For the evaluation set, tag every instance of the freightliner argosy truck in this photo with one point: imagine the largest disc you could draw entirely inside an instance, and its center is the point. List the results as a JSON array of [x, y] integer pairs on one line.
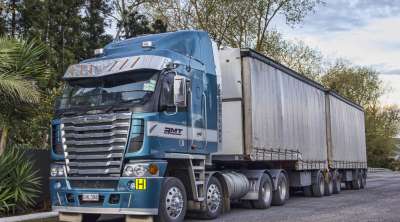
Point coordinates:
[[160, 126]]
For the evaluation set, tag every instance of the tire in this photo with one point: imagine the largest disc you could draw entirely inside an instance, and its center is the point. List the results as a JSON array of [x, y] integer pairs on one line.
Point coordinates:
[[363, 180], [328, 185], [90, 217], [356, 183], [307, 191], [281, 194], [173, 195], [337, 182], [214, 199], [264, 193], [318, 187]]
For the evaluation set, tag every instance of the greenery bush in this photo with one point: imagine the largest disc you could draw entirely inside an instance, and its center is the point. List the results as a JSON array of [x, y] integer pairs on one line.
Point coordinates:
[[19, 182]]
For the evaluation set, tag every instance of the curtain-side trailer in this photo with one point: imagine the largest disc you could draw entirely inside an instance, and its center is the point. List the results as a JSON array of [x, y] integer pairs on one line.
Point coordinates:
[[160, 125]]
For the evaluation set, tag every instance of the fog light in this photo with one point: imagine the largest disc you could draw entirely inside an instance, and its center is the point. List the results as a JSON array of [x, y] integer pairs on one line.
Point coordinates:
[[131, 185], [114, 199]]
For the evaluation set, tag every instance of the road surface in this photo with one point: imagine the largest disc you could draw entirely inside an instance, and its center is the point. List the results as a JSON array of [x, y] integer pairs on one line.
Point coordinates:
[[380, 201]]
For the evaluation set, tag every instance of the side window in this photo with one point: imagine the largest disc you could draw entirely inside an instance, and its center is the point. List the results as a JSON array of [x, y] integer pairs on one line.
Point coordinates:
[[167, 92]]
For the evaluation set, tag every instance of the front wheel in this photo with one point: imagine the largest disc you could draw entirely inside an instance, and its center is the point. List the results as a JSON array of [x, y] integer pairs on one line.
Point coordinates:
[[173, 201], [214, 199]]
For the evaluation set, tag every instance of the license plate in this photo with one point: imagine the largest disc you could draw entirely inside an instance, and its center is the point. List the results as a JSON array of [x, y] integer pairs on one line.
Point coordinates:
[[90, 197]]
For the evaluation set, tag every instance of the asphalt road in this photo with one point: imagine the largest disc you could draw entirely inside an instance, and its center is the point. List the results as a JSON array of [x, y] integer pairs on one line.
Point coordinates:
[[380, 201]]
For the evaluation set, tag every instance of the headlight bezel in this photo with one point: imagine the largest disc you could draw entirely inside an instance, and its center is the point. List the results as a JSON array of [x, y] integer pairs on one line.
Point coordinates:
[[57, 170], [138, 170]]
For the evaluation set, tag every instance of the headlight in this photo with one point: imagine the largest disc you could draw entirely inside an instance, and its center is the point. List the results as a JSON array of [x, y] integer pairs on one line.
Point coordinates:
[[140, 170], [57, 170]]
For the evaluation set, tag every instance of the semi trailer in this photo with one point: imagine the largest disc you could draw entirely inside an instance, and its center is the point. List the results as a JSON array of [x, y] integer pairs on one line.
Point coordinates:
[[160, 126]]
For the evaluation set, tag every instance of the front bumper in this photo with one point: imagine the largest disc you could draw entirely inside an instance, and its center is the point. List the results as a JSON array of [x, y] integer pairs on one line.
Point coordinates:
[[94, 210], [133, 202]]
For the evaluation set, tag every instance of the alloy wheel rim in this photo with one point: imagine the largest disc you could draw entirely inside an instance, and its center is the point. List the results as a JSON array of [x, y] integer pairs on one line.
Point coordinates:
[[174, 202], [213, 198], [266, 189]]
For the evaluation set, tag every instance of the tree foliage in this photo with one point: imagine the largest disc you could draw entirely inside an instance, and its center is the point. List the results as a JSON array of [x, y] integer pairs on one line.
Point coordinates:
[[362, 85]]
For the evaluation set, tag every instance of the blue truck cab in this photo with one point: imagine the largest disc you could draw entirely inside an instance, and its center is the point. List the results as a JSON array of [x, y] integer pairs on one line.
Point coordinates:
[[132, 120]]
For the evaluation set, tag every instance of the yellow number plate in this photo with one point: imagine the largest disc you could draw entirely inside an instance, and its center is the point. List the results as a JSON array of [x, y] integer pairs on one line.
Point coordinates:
[[140, 183]]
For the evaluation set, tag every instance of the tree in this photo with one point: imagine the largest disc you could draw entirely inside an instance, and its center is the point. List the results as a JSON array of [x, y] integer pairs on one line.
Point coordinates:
[[359, 84], [362, 85], [236, 23], [382, 125], [93, 26], [294, 54], [131, 22], [21, 74]]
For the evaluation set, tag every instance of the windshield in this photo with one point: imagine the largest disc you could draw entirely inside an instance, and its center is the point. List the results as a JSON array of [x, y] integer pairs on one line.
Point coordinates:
[[131, 88]]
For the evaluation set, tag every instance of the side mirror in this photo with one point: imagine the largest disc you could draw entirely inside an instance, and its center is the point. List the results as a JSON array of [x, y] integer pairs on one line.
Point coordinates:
[[180, 91]]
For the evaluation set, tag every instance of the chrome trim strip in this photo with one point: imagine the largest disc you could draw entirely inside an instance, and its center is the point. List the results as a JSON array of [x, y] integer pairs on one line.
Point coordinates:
[[132, 211], [98, 127]]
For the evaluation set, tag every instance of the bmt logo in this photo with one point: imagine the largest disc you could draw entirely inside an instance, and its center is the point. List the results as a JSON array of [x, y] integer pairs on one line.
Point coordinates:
[[173, 131]]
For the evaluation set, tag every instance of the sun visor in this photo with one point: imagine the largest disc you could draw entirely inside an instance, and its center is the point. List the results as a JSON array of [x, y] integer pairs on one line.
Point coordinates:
[[118, 65]]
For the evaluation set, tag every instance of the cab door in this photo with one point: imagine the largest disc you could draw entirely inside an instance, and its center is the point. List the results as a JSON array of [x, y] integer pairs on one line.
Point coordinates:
[[196, 113]]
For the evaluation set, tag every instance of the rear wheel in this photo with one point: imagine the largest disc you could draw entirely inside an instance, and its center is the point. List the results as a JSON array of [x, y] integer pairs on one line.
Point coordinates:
[[363, 180], [173, 201], [356, 183], [328, 184], [264, 193], [281, 194], [337, 182], [318, 186]]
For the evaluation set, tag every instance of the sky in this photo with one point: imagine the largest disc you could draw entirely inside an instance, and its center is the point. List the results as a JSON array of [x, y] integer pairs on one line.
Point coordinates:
[[365, 32]]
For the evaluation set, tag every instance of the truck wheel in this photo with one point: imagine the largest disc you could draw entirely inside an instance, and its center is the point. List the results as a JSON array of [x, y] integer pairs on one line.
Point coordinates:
[[264, 193], [214, 199], [328, 185], [337, 183], [356, 183], [90, 217], [281, 194], [173, 201], [318, 186], [363, 180]]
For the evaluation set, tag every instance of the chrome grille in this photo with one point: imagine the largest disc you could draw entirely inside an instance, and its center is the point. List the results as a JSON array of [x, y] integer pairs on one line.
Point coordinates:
[[94, 144]]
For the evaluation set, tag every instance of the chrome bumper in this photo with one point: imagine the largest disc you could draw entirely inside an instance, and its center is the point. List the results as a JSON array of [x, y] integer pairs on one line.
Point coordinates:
[[100, 210]]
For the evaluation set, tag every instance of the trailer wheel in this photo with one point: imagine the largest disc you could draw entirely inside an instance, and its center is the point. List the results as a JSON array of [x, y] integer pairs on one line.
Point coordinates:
[[281, 194], [356, 183], [363, 180], [173, 202], [337, 183], [318, 187], [214, 199], [264, 193], [328, 185], [90, 217]]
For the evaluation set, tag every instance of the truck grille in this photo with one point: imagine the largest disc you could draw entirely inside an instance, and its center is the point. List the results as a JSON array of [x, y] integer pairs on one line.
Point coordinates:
[[94, 145]]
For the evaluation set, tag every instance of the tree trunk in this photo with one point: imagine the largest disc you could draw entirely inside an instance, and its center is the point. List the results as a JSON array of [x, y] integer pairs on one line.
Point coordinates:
[[3, 139]]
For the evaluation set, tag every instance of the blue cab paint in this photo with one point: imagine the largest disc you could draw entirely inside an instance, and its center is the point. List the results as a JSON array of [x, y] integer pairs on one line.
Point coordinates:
[[193, 51]]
